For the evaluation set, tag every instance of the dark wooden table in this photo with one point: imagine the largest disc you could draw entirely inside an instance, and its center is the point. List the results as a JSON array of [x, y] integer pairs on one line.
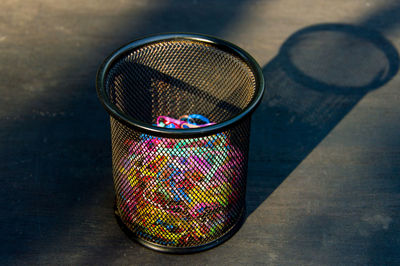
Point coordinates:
[[323, 185]]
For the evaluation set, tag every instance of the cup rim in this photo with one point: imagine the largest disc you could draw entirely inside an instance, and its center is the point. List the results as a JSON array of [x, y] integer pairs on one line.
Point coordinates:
[[150, 129]]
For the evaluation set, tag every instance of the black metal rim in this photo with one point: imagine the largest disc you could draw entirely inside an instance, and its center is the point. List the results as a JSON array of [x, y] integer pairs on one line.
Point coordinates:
[[176, 250], [169, 132]]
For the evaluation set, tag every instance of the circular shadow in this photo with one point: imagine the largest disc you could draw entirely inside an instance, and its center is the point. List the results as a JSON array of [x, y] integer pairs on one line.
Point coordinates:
[[339, 58]]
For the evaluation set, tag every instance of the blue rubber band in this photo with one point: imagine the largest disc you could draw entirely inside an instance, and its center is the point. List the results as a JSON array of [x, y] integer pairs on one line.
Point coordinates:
[[200, 117]]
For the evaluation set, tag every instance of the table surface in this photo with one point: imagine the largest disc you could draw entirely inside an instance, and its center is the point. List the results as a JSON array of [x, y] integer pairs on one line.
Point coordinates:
[[323, 181]]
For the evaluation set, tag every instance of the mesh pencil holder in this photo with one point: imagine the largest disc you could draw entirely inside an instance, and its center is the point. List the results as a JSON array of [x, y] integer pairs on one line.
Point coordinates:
[[180, 190]]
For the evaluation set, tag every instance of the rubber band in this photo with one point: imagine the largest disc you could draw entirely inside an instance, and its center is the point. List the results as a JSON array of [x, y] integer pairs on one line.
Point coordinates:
[[175, 190], [199, 117], [184, 121]]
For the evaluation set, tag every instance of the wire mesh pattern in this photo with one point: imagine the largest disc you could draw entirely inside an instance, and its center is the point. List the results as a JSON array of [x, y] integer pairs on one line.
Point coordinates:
[[180, 77], [180, 191]]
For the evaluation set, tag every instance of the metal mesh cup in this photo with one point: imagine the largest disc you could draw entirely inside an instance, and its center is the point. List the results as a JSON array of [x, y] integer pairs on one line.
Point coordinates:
[[180, 190]]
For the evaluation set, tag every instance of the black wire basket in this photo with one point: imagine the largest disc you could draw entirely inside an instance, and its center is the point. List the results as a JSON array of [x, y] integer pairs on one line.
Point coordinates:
[[180, 107]]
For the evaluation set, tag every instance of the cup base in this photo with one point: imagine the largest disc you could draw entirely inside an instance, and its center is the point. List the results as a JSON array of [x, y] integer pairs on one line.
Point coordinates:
[[181, 250]]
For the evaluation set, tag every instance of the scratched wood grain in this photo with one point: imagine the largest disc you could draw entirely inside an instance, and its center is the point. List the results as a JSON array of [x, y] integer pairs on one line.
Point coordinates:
[[323, 186]]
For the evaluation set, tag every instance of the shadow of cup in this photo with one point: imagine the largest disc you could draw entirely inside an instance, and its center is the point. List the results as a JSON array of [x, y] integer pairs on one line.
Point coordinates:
[[320, 73]]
